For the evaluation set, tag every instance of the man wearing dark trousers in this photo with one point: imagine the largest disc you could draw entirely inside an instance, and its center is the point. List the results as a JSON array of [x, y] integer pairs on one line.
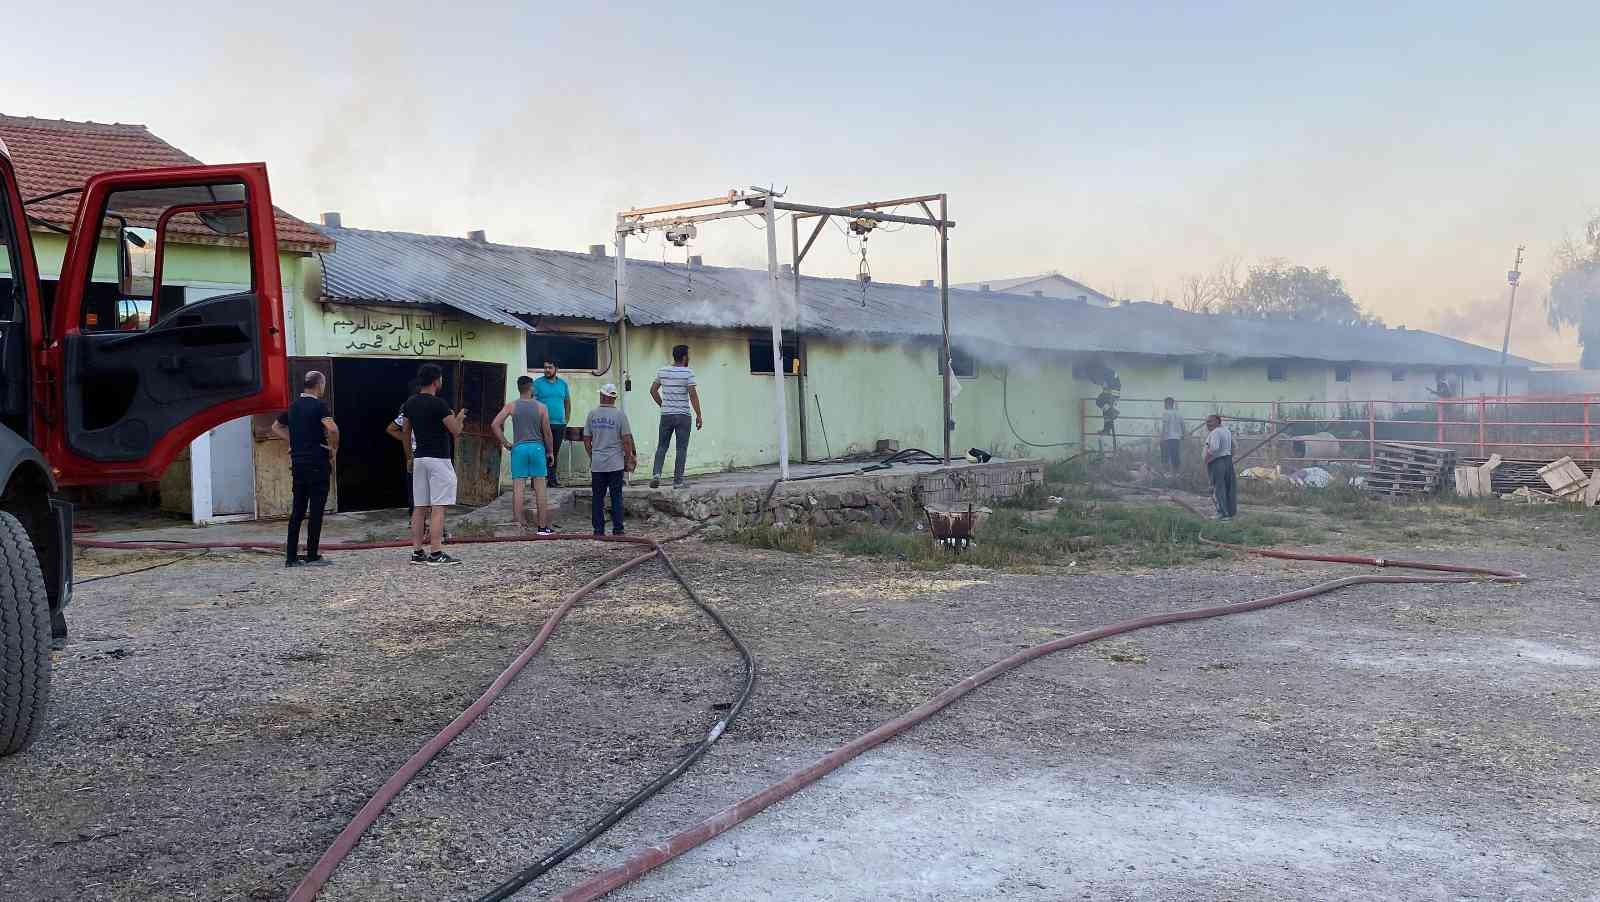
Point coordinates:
[[313, 439], [609, 440], [675, 393], [1219, 466]]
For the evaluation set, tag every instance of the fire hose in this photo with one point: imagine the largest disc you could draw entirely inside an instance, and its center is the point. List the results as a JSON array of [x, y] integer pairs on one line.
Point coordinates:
[[648, 859], [346, 841]]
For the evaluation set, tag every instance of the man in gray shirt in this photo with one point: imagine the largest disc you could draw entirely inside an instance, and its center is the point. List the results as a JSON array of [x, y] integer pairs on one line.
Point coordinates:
[[609, 440], [1219, 466]]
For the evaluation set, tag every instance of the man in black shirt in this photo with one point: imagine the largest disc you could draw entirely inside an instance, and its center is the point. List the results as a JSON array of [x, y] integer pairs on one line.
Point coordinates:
[[433, 475], [313, 445]]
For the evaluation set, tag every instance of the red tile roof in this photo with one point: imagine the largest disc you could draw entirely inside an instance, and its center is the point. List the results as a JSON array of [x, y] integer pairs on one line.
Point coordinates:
[[53, 154]]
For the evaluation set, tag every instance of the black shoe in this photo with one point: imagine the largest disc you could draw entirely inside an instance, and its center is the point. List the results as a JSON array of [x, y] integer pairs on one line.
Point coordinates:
[[439, 558], [318, 561], [655, 482], [419, 557], [599, 533], [546, 531], [618, 532], [292, 562]]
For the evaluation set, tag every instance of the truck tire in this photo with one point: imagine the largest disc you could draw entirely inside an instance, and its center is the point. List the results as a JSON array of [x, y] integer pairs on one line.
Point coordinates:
[[24, 639]]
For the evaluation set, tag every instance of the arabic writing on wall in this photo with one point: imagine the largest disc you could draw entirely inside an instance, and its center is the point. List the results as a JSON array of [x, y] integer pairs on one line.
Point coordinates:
[[417, 334]]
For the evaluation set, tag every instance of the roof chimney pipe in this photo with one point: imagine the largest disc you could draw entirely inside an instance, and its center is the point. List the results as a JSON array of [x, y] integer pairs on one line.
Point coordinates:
[[331, 220], [983, 286], [597, 250], [696, 261], [478, 235], [1038, 292], [927, 283]]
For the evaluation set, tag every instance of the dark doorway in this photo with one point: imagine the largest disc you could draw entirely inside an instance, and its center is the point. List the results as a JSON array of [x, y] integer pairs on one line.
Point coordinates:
[[372, 466]]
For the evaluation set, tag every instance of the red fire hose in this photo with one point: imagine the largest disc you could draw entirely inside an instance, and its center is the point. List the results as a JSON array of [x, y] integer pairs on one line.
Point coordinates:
[[346, 841], [646, 860]]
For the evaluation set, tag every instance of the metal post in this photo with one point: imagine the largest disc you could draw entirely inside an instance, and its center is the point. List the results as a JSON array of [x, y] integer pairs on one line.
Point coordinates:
[[1514, 276], [1483, 418], [1586, 455], [1372, 433], [622, 323], [799, 342], [944, 314], [1276, 422], [781, 411]]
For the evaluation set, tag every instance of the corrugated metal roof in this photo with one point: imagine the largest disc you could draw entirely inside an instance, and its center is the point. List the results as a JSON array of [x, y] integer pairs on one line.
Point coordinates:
[[502, 282]]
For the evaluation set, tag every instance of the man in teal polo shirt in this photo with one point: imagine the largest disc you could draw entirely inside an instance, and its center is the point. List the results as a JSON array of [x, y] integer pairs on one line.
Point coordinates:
[[553, 393]]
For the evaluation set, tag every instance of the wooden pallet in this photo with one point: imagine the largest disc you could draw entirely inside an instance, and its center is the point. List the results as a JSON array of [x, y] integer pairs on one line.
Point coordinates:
[[1401, 469]]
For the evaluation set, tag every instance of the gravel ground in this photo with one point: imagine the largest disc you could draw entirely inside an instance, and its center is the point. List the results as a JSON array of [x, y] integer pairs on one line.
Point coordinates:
[[216, 722]]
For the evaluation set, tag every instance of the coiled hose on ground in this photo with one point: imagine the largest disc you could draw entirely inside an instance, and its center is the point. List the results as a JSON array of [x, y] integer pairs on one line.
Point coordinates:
[[347, 839], [648, 859]]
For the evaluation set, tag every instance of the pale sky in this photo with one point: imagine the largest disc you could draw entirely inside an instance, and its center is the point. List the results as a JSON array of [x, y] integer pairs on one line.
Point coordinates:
[[1408, 149]]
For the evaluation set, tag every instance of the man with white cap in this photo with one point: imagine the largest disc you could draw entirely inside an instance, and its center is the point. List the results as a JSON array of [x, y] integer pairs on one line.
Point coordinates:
[[609, 440]]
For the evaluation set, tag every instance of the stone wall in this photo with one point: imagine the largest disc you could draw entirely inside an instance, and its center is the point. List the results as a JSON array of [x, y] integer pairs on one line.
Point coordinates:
[[890, 499]]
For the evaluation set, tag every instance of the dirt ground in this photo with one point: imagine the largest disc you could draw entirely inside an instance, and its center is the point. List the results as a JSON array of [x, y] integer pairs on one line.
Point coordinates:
[[216, 722]]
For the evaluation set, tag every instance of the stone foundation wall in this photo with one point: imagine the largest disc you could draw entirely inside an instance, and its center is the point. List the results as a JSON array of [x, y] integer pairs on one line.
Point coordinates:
[[886, 499]]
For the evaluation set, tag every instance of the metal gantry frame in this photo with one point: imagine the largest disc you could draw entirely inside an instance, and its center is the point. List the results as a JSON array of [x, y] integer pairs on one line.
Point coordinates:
[[765, 203]]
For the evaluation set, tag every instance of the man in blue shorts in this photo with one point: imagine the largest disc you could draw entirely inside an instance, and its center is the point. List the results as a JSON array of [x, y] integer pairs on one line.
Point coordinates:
[[530, 451]]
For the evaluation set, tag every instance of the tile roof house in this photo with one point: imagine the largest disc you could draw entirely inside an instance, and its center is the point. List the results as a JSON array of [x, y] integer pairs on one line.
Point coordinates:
[[53, 155]]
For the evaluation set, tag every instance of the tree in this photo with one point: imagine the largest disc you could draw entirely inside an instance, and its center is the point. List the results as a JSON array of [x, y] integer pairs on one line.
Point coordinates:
[[1575, 291], [1277, 290], [1208, 293]]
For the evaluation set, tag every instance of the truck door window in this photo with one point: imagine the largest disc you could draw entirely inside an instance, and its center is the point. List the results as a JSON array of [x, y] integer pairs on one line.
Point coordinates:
[[153, 242], [10, 266]]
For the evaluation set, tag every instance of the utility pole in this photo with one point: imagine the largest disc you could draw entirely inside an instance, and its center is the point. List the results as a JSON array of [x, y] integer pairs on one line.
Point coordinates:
[[1513, 277]]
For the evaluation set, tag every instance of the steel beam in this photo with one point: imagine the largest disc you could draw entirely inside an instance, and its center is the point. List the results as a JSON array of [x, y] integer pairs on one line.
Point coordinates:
[[732, 197], [645, 225], [800, 253], [861, 214], [897, 202]]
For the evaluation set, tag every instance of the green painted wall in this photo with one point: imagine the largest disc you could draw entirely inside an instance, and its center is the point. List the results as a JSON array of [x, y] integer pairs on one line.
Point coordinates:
[[182, 264]]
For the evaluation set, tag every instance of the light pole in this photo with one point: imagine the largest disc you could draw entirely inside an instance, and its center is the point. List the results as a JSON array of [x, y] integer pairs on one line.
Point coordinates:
[[1513, 277]]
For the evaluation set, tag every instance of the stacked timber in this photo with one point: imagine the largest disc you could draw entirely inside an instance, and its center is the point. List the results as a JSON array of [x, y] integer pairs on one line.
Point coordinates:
[[1512, 473], [1402, 470]]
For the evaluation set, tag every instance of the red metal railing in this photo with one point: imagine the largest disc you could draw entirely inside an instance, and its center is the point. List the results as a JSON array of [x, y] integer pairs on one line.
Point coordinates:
[[1511, 425]]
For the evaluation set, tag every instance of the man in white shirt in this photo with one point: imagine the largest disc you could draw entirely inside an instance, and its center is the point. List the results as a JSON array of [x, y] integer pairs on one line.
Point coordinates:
[[674, 392], [1172, 429], [1219, 466]]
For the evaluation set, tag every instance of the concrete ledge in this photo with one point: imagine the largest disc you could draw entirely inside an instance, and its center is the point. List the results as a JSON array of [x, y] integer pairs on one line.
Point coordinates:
[[836, 496]]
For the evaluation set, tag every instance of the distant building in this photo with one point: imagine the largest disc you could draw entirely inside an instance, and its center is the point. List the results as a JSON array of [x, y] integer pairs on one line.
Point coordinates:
[[1046, 285]]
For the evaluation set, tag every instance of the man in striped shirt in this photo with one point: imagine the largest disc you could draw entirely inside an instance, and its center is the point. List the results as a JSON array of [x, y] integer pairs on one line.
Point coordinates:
[[674, 392]]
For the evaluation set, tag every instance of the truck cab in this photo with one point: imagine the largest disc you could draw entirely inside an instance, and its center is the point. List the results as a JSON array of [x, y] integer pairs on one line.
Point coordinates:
[[107, 378]]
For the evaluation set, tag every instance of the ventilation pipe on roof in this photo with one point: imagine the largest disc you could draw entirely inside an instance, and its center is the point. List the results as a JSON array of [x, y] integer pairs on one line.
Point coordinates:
[[597, 250], [478, 235], [1038, 292], [983, 286], [696, 261], [927, 283], [331, 220]]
